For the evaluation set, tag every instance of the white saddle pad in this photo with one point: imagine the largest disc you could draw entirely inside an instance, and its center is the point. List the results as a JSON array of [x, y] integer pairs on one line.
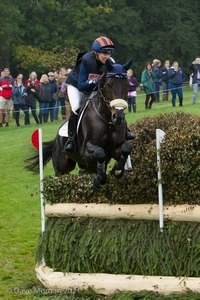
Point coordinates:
[[63, 131]]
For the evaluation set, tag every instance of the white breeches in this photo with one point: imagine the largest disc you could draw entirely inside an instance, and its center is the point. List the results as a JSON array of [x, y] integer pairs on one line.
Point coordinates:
[[75, 98]]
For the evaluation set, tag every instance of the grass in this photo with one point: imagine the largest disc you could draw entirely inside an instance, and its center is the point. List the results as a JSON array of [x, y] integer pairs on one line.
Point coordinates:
[[20, 222]]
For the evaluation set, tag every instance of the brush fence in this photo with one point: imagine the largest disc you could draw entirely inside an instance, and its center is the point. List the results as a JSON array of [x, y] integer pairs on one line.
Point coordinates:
[[108, 283]]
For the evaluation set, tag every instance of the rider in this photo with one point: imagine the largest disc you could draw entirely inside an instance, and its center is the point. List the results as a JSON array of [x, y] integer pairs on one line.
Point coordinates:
[[83, 79]]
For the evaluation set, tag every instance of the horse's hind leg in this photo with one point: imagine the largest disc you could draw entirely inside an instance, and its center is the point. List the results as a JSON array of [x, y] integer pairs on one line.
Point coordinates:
[[118, 169], [100, 157], [61, 162]]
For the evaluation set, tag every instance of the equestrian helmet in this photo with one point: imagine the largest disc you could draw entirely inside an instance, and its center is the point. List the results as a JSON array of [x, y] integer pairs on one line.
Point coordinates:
[[103, 44]]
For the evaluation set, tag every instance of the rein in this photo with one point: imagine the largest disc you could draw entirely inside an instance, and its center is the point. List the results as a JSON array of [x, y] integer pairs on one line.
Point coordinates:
[[96, 110]]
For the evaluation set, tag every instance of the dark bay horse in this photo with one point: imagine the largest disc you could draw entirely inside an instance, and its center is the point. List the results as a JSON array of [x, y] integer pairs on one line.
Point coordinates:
[[101, 133]]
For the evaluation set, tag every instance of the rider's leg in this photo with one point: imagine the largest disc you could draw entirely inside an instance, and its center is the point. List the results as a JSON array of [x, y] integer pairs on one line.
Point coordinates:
[[70, 144], [75, 99]]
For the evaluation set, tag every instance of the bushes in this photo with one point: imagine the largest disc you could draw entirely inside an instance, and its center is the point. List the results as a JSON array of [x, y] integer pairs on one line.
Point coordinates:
[[180, 155]]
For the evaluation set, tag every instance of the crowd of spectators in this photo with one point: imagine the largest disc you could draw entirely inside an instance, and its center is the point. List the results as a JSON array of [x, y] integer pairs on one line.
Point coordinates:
[[170, 78], [51, 94], [19, 95]]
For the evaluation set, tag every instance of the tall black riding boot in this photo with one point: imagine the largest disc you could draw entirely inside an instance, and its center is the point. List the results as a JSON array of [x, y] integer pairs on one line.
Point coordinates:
[[70, 144]]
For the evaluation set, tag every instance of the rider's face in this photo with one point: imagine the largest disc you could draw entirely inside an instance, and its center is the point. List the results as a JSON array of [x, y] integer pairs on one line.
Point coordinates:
[[102, 57]]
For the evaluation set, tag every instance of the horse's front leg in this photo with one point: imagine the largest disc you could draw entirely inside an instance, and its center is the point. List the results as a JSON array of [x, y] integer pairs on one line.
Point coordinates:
[[100, 157], [118, 169]]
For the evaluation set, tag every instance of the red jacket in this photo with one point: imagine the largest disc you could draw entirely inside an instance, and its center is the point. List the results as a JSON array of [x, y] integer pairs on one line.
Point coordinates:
[[6, 91], [27, 82]]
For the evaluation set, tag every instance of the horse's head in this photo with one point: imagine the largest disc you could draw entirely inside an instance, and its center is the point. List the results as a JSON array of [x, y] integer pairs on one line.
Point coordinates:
[[115, 83]]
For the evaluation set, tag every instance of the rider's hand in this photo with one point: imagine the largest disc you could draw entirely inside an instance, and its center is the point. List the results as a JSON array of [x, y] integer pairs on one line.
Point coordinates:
[[95, 82]]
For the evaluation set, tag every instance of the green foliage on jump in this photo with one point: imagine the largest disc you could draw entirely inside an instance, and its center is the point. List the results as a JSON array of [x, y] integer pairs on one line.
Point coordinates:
[[121, 247], [180, 156]]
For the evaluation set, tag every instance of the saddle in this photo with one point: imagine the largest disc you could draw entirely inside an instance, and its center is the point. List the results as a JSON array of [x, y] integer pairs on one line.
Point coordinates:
[[63, 131]]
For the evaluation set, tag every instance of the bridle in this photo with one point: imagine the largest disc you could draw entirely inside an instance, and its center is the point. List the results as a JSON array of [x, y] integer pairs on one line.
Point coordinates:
[[101, 90]]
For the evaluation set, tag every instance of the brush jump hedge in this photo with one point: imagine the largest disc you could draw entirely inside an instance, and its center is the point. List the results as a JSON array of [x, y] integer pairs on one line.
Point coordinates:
[[109, 239]]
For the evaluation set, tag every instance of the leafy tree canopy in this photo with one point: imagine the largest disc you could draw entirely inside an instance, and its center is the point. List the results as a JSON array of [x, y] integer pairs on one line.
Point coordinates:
[[141, 29]]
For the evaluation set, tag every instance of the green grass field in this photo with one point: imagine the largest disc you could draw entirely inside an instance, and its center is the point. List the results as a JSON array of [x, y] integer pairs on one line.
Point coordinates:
[[20, 222]]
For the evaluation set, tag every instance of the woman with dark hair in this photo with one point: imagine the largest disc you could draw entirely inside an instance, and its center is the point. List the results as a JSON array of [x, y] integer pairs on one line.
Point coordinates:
[[31, 98], [147, 80]]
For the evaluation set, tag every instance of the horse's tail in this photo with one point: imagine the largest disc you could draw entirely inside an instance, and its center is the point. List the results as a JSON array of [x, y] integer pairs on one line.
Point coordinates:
[[32, 163]]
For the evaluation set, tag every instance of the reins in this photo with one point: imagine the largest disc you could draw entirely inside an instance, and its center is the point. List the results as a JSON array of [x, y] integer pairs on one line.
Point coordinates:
[[96, 110]]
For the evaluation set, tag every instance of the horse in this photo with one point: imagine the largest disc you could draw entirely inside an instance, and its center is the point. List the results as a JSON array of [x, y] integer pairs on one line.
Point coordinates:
[[101, 131]]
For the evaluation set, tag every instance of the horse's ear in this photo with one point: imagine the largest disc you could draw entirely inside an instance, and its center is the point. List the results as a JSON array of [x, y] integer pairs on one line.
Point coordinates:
[[128, 65], [108, 65]]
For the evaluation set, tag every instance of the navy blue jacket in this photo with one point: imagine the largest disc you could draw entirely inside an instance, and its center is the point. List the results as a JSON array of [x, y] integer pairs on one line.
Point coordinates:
[[89, 65], [44, 92], [158, 72], [165, 74], [176, 77], [19, 94]]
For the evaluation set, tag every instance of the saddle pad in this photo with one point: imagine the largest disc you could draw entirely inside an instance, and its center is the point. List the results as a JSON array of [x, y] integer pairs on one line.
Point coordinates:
[[63, 131]]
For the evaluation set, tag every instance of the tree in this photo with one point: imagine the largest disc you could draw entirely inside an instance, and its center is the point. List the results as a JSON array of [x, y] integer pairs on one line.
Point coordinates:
[[28, 58], [10, 34]]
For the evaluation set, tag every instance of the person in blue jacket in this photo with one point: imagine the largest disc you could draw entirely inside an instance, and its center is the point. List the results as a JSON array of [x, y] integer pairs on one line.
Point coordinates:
[[176, 79], [19, 94], [83, 79]]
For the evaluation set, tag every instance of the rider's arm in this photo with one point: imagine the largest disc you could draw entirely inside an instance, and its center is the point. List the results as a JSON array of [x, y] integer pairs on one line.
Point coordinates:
[[83, 84]]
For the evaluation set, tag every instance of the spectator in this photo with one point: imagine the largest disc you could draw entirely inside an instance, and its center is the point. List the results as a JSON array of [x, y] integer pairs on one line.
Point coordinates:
[[19, 94], [44, 92], [20, 75], [165, 80], [157, 79], [176, 79], [132, 91], [54, 93], [147, 78], [56, 73], [30, 99], [61, 96], [195, 67], [6, 102], [32, 77], [57, 102]]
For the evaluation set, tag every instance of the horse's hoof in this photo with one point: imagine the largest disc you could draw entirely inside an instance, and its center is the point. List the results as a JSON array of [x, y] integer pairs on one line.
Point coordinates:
[[117, 173], [97, 183]]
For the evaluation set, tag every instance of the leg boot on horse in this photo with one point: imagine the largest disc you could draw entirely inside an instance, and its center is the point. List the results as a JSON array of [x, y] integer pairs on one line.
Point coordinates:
[[130, 135], [70, 146]]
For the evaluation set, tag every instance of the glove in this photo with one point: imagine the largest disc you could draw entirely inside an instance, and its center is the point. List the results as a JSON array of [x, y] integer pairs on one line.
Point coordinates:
[[1, 89], [95, 82]]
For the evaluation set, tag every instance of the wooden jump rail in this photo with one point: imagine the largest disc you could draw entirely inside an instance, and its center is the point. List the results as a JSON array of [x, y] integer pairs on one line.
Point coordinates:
[[109, 283], [181, 213]]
